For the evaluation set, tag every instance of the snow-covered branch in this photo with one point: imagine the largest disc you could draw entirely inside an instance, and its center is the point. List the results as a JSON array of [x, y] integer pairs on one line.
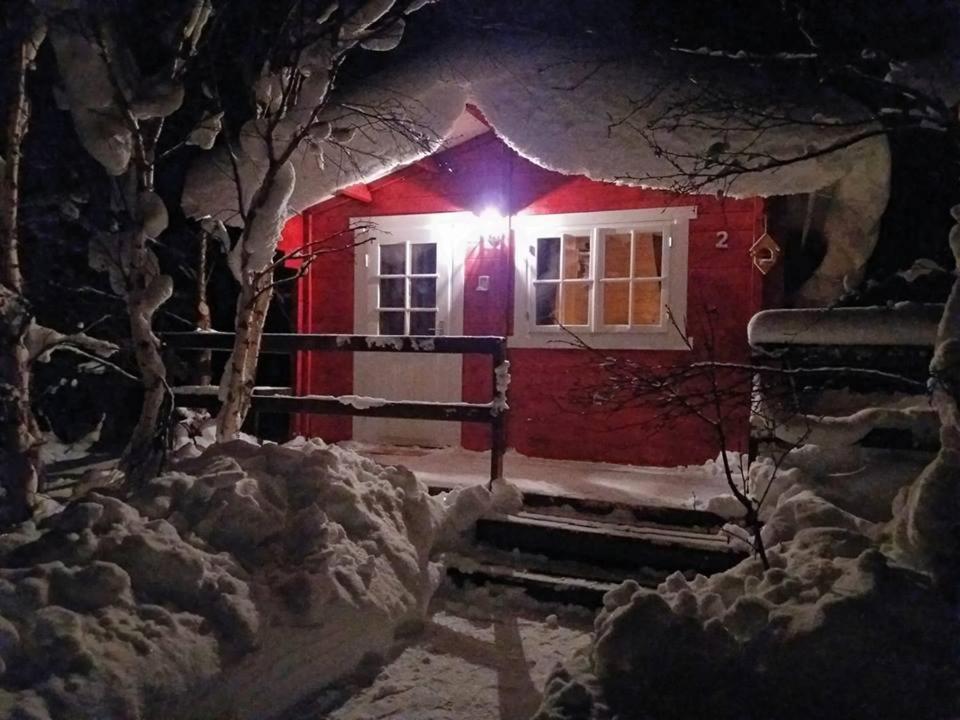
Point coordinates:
[[42, 342]]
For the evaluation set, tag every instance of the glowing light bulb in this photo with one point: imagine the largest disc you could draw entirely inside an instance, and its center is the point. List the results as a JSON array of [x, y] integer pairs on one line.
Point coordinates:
[[492, 226]]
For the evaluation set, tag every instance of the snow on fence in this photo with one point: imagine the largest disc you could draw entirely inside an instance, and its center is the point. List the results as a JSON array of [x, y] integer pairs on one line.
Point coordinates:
[[906, 324], [864, 364], [271, 399]]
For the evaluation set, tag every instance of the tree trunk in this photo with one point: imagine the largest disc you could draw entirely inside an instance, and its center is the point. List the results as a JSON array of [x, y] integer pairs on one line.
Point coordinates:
[[147, 289], [147, 446], [241, 371], [204, 321], [261, 234], [18, 431]]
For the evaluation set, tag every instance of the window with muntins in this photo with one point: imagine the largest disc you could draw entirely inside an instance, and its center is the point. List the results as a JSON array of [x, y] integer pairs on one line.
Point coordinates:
[[616, 279], [407, 288]]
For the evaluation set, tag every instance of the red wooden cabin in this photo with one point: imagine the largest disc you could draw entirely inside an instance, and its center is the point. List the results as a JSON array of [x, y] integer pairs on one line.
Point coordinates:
[[477, 240]]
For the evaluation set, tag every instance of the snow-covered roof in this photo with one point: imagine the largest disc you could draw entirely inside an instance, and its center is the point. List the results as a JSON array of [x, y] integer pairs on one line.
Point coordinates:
[[575, 113]]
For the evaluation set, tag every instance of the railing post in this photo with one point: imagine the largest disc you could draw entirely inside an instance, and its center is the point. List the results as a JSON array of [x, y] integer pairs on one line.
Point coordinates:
[[498, 439]]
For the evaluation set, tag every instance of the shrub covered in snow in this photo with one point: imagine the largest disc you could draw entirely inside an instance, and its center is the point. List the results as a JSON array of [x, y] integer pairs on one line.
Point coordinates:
[[197, 595]]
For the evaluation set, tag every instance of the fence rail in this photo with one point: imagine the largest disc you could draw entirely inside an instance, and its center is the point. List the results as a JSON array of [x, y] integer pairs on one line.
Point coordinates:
[[861, 351], [276, 400]]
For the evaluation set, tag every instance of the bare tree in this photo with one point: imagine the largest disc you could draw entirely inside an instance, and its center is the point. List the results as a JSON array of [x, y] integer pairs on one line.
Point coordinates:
[[879, 83], [728, 398], [18, 457]]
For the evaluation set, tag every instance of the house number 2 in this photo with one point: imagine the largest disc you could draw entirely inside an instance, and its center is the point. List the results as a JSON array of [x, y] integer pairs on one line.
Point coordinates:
[[722, 236]]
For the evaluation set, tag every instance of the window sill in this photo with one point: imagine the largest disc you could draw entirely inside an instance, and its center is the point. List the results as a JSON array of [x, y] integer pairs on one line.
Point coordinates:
[[668, 340]]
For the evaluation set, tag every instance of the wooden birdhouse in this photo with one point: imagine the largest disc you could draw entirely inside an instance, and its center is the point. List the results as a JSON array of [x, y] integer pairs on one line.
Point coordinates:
[[765, 253]]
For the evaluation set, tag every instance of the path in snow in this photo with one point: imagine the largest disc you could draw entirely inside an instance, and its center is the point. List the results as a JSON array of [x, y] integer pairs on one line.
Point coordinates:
[[619, 484], [477, 658]]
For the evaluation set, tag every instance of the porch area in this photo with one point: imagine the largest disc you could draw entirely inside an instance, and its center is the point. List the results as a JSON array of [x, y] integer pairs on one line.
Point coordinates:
[[590, 483]]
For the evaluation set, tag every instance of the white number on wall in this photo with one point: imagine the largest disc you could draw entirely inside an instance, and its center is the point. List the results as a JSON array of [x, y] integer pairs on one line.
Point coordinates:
[[722, 236]]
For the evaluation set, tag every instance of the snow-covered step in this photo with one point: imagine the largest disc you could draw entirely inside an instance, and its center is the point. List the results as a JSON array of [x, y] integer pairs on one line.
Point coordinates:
[[610, 545], [541, 586], [478, 556], [606, 511]]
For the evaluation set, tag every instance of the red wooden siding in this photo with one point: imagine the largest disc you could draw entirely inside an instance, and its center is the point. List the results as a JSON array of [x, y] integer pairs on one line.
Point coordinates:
[[543, 421]]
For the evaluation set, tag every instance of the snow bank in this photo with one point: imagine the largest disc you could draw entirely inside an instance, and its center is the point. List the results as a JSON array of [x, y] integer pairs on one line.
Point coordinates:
[[857, 480], [786, 641], [235, 583], [832, 629]]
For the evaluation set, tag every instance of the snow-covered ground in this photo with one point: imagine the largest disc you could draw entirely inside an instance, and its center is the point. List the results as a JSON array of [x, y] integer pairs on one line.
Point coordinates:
[[242, 579], [606, 482], [478, 656]]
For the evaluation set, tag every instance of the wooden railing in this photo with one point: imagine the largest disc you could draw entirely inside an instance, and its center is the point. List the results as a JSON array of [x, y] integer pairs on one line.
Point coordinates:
[[275, 400], [861, 350]]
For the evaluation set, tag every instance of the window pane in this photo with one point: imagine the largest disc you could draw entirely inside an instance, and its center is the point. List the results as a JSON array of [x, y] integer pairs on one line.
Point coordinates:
[[616, 255], [393, 260], [616, 303], [576, 256], [423, 258], [546, 303], [391, 323], [423, 292], [648, 255], [391, 293], [576, 304], [646, 303], [548, 258], [423, 323]]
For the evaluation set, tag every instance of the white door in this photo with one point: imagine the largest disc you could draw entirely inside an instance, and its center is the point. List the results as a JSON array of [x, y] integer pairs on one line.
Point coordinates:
[[409, 273]]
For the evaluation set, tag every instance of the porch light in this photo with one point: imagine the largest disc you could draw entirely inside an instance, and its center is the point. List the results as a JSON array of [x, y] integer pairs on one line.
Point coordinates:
[[492, 226]]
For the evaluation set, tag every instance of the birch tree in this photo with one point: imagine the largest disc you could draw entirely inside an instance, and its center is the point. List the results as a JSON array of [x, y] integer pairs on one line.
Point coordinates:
[[18, 456], [119, 112], [291, 93]]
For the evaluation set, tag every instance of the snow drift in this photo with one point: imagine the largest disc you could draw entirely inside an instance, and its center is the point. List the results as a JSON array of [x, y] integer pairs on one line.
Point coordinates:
[[233, 584], [834, 627]]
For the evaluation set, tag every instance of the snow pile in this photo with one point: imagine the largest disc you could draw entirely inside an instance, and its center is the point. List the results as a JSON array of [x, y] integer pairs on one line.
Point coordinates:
[[196, 430], [54, 449], [784, 642], [235, 583], [855, 480], [107, 613]]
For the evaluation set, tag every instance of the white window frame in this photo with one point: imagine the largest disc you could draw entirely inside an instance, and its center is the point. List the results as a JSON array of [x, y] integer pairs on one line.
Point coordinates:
[[448, 230], [673, 223]]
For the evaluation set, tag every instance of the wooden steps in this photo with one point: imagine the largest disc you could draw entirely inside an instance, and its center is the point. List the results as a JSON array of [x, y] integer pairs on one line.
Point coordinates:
[[577, 560], [610, 545]]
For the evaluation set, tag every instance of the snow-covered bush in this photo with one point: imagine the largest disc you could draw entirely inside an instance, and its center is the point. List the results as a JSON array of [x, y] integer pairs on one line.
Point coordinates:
[[236, 582]]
